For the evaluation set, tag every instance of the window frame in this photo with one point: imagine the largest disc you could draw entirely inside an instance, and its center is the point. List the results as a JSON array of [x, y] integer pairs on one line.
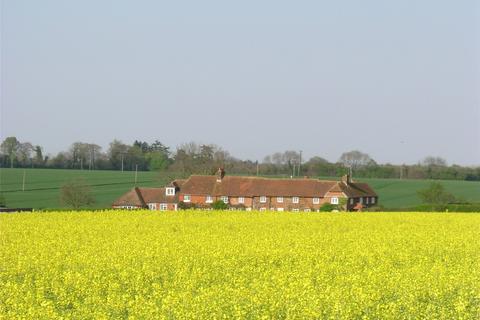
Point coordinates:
[[334, 200], [187, 198], [224, 199], [170, 191], [163, 206], [263, 199], [295, 199], [279, 199], [316, 200], [241, 200]]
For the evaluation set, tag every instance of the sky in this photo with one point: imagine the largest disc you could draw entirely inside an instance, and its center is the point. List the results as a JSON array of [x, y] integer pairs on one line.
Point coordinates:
[[399, 80]]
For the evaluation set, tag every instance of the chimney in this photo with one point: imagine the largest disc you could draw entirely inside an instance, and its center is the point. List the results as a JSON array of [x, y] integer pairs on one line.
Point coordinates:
[[347, 179], [220, 174]]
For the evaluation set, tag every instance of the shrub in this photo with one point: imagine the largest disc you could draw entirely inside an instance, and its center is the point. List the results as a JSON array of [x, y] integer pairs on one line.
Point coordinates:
[[327, 207], [219, 205]]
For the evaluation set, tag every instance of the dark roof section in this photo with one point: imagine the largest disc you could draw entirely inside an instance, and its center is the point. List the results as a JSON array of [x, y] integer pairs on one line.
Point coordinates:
[[140, 197], [354, 189], [177, 183]]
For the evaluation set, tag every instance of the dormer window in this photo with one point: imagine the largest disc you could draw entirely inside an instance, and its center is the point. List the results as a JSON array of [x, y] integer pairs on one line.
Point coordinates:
[[170, 191]]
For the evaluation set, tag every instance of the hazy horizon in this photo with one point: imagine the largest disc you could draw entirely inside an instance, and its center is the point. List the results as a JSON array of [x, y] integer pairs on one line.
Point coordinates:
[[399, 81]]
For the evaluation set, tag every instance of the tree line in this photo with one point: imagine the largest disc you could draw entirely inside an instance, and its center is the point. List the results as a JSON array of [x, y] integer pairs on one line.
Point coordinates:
[[193, 158]]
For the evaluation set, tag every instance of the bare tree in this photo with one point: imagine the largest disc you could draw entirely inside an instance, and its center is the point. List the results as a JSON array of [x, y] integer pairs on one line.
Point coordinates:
[[434, 161], [76, 194], [24, 153], [355, 159], [10, 147]]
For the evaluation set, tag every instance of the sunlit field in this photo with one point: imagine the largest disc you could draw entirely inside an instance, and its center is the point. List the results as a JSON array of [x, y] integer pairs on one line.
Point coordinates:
[[205, 265]]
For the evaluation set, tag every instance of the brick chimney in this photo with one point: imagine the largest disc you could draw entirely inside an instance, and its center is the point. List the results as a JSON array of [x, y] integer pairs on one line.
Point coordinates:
[[220, 174]]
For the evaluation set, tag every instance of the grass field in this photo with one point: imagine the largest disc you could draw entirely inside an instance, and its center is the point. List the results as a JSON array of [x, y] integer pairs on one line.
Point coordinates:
[[43, 185], [250, 265]]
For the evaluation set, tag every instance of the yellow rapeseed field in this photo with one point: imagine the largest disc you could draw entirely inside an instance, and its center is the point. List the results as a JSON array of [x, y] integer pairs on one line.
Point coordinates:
[[212, 265]]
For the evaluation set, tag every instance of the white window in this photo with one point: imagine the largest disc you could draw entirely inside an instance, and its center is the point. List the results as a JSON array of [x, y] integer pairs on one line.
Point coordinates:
[[307, 210], [224, 199], [186, 198], [316, 200], [170, 191], [152, 206], [208, 199], [295, 210], [263, 199], [280, 209], [361, 200], [280, 199], [241, 200], [367, 199], [295, 199], [373, 200], [351, 200], [163, 206], [263, 209], [334, 200]]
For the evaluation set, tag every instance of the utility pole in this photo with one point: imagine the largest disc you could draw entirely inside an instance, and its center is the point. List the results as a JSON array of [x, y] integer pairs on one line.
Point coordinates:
[[300, 163], [257, 168], [136, 174], [23, 183], [123, 154]]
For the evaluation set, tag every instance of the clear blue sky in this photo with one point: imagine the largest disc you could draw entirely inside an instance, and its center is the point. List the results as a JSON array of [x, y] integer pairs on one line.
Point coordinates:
[[399, 80]]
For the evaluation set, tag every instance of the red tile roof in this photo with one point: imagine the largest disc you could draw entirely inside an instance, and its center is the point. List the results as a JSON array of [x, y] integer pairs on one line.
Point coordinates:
[[142, 196], [254, 186]]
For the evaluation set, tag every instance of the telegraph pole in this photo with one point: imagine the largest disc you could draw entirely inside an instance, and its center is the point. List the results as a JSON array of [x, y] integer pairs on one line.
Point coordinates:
[[23, 183], [136, 174], [300, 163]]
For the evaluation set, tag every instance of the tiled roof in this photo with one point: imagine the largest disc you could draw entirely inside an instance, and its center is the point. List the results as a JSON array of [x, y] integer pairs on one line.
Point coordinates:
[[177, 183], [254, 186], [354, 189], [131, 198], [142, 196]]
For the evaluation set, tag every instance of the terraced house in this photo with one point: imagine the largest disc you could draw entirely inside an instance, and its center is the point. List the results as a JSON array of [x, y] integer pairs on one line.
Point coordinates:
[[251, 193]]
